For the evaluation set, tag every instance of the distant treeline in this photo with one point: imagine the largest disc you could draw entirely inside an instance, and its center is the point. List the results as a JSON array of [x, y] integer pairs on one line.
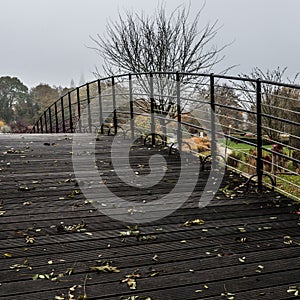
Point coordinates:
[[21, 106]]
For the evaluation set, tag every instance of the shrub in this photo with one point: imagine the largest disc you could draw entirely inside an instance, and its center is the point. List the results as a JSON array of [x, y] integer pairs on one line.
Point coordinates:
[[19, 127]]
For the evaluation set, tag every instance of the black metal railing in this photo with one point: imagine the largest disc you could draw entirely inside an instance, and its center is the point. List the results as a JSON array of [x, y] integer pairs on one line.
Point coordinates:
[[255, 129]]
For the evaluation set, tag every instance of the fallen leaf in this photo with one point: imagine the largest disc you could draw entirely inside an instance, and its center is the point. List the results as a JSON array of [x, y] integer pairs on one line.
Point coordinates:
[[293, 289], [147, 237], [193, 222], [29, 239], [35, 276], [155, 258], [106, 269], [259, 269], [242, 259], [130, 279]]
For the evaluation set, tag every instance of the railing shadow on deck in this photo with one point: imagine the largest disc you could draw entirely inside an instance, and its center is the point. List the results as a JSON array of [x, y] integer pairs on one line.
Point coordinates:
[[254, 130]]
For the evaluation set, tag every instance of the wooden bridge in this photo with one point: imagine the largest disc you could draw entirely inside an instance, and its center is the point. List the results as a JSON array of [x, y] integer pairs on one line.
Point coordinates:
[[56, 245]]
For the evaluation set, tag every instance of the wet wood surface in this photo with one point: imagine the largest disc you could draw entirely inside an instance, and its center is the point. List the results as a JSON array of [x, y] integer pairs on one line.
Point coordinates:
[[55, 244]]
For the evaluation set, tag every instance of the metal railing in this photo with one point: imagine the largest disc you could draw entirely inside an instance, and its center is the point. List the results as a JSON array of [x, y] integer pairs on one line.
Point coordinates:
[[254, 129]]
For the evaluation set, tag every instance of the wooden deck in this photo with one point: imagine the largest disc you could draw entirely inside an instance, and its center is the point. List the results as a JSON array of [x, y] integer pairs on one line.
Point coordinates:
[[247, 248]]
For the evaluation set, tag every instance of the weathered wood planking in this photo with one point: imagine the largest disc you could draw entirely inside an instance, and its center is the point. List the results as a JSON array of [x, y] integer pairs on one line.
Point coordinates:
[[248, 245]]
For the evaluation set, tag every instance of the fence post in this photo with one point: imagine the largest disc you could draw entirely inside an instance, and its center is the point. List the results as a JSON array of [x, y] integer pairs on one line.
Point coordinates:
[[152, 103], [56, 117], [50, 120], [100, 106], [63, 114], [179, 132], [78, 108], [259, 162], [70, 112], [131, 108], [213, 121], [115, 120], [89, 107]]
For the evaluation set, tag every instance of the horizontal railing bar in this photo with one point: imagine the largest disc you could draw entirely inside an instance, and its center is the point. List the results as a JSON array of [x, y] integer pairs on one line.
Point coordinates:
[[280, 119]]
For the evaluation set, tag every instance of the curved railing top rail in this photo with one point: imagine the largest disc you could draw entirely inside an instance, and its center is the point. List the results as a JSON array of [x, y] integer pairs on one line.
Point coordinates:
[[219, 76]]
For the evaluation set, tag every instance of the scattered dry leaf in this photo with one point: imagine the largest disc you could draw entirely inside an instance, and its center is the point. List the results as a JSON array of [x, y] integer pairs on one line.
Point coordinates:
[[105, 268], [130, 279], [193, 222]]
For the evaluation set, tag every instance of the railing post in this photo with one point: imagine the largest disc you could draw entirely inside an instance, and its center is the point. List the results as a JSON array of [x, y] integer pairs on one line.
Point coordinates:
[[131, 108], [100, 105], [70, 112], [56, 117], [89, 107], [38, 126], [259, 162], [152, 102], [78, 108], [41, 122], [179, 132], [115, 120], [213, 121], [50, 120], [46, 125], [63, 114]]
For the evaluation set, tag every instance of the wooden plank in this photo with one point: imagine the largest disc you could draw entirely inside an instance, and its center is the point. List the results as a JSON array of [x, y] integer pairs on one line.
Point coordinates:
[[187, 257]]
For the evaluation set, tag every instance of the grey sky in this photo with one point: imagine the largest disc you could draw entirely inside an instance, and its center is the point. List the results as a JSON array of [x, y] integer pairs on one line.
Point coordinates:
[[45, 40]]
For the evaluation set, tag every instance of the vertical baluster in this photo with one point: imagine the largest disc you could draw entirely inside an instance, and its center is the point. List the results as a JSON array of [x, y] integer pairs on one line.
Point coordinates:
[[152, 103], [179, 132], [46, 124], [89, 107], [50, 120], [56, 117], [115, 119], [79, 109], [213, 122], [41, 122], [259, 161], [70, 112], [131, 108], [100, 105], [63, 114]]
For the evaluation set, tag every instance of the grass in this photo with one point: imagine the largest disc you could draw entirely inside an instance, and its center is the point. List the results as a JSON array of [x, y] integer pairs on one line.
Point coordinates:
[[286, 186], [240, 146], [283, 180]]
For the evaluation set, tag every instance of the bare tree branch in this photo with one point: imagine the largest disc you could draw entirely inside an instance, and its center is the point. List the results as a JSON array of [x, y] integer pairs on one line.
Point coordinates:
[[276, 101], [138, 43]]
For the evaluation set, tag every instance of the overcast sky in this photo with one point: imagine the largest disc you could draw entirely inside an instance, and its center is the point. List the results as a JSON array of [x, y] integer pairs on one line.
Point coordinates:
[[45, 41]]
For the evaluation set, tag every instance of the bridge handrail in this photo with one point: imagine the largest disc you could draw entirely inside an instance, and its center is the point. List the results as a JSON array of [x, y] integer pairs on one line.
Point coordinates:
[[64, 114]]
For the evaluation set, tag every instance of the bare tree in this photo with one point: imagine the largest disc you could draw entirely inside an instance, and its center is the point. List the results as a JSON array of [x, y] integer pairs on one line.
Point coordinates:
[[228, 108], [159, 43], [139, 43], [277, 101]]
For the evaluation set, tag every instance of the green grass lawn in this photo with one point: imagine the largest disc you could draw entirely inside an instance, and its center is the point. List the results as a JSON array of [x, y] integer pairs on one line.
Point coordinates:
[[283, 180], [286, 186], [240, 146]]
